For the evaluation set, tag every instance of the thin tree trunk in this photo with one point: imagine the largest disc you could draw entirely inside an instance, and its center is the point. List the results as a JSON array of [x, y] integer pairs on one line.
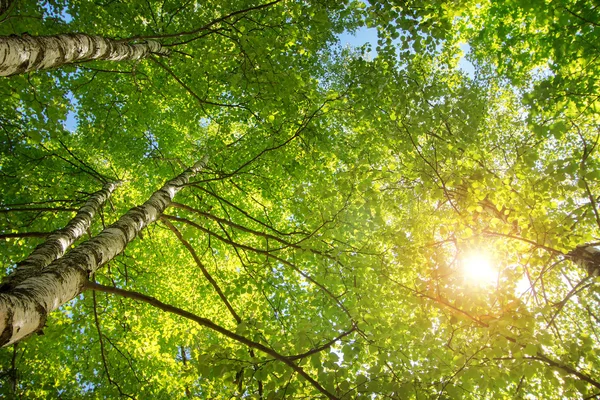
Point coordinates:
[[20, 54], [58, 242], [5, 5], [23, 309]]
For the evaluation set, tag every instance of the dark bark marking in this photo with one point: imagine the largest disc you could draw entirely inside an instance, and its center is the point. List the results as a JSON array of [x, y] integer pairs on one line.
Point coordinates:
[[6, 335], [40, 56]]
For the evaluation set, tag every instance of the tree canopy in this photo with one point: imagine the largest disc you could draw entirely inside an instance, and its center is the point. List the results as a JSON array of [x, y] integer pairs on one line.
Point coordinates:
[[359, 222]]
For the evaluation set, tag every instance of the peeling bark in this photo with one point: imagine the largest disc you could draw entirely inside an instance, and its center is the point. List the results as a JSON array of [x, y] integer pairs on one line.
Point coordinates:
[[20, 54], [58, 242], [23, 309]]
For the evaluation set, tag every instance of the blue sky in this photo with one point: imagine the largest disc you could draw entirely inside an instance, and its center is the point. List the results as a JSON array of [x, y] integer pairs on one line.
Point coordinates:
[[369, 35], [360, 37]]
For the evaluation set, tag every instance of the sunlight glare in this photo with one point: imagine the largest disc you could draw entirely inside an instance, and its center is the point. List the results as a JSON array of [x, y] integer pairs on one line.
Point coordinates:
[[478, 268], [523, 286]]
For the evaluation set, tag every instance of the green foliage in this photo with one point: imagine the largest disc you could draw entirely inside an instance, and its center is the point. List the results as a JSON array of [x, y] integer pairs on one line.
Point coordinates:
[[344, 192]]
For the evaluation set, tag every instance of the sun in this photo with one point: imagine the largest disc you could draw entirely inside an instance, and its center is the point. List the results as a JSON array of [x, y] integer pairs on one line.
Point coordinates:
[[478, 267]]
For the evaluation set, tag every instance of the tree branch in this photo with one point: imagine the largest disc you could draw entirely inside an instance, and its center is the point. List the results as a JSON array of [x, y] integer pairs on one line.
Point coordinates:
[[267, 253], [211, 325], [205, 272], [24, 235], [202, 28]]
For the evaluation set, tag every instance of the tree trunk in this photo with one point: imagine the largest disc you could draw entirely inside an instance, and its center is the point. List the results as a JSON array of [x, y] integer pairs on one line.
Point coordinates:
[[30, 53], [587, 256], [5, 5], [24, 308], [58, 242]]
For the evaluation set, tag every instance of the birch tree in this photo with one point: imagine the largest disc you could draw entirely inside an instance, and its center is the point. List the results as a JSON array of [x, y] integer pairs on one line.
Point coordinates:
[[409, 218], [28, 53], [58, 242], [24, 308]]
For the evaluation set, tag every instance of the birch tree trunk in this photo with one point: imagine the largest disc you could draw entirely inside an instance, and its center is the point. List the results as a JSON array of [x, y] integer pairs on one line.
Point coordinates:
[[58, 242], [19, 54], [23, 309], [588, 257]]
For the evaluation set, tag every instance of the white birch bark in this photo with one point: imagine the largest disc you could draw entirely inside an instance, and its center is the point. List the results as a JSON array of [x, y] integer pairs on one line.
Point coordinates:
[[588, 257], [58, 242], [20, 54], [23, 309]]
